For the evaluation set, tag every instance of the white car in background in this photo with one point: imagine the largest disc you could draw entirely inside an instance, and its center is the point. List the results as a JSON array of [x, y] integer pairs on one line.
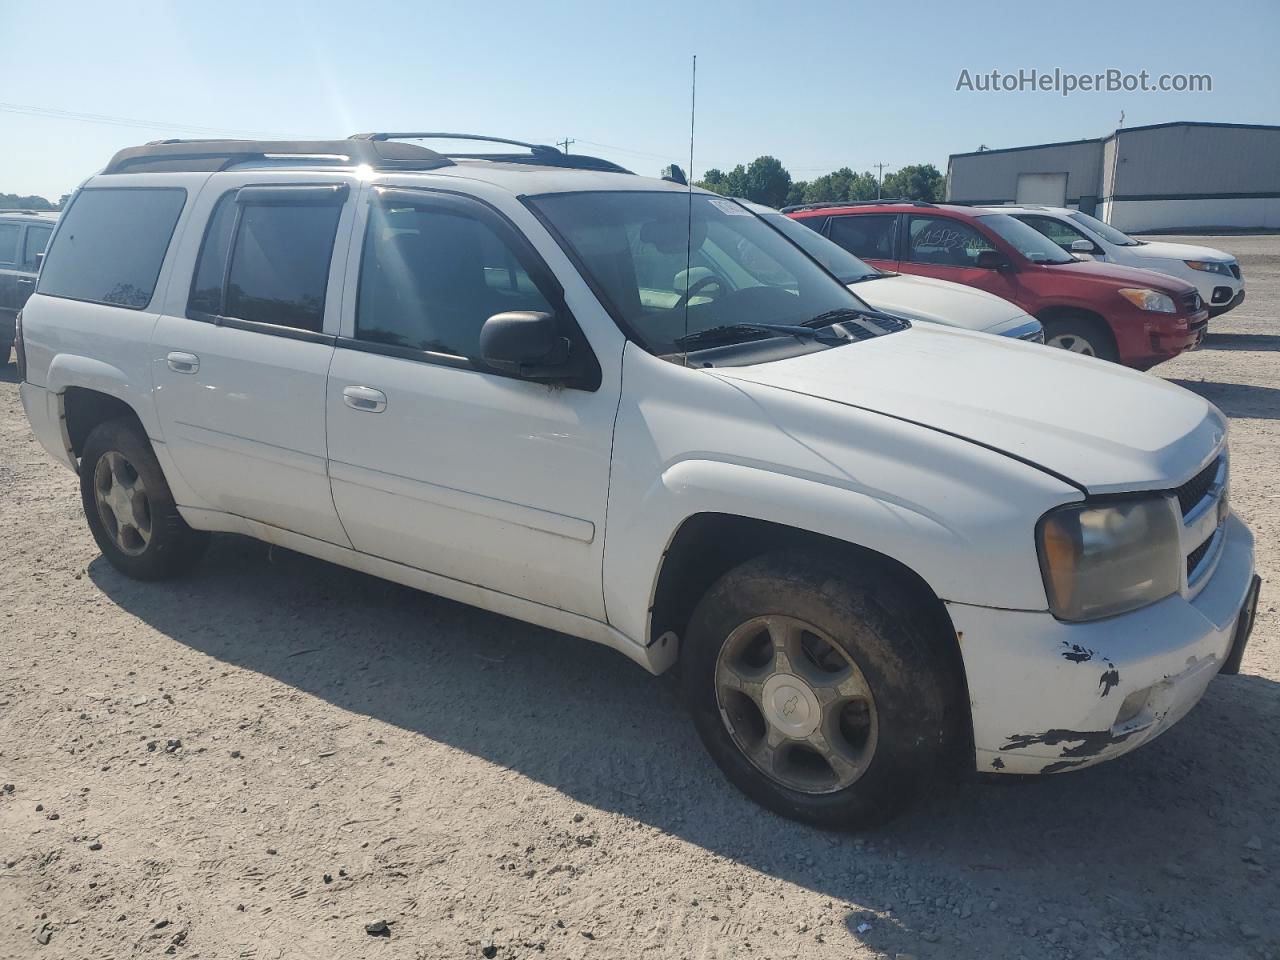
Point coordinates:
[[1214, 273], [916, 298]]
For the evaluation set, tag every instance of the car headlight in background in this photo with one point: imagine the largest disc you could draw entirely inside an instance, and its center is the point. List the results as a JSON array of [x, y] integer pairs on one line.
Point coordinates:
[[1210, 266], [1145, 299], [1101, 559]]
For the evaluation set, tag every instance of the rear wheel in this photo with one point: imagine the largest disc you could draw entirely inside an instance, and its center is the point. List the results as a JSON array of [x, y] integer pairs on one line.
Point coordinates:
[[130, 508], [822, 694], [1082, 335]]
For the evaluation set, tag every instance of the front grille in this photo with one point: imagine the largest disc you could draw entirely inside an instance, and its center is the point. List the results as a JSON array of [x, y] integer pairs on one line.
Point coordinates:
[[1235, 270], [1195, 489], [1035, 336], [1196, 555], [1191, 301]]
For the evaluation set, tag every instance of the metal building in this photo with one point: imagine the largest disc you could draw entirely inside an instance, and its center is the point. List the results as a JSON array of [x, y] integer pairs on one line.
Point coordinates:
[[1166, 176]]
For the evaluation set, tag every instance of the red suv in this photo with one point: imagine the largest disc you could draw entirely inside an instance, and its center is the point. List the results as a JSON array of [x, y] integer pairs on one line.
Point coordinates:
[[1132, 316]]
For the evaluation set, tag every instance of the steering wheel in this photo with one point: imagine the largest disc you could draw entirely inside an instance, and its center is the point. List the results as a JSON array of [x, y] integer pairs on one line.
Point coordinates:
[[696, 288]]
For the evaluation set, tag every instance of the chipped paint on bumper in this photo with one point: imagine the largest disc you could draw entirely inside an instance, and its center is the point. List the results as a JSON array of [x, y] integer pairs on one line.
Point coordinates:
[[1046, 694]]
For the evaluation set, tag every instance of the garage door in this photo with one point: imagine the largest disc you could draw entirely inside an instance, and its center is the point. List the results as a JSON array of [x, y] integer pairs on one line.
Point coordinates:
[[1046, 188]]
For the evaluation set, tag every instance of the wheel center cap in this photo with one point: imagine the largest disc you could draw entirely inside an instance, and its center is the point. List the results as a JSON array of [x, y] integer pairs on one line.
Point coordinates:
[[791, 706]]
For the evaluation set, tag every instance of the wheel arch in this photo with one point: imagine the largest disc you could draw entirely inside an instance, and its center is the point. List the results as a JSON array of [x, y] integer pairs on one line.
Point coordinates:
[[1068, 312], [708, 545]]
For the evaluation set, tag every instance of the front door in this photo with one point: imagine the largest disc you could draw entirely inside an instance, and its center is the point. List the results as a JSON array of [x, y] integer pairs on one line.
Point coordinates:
[[437, 461], [240, 359]]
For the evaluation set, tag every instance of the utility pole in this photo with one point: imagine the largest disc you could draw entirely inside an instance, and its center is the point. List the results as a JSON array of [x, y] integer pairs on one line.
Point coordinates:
[[564, 144], [880, 179]]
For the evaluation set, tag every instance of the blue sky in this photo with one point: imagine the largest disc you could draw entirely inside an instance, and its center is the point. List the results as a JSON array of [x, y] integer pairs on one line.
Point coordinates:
[[818, 84]]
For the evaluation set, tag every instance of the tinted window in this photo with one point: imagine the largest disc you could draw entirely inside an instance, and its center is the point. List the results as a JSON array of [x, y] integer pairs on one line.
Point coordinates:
[[839, 261], [1057, 231], [206, 285], [1104, 230], [9, 242], [111, 245], [1032, 244], [280, 255], [429, 279], [37, 239], [944, 241], [865, 236]]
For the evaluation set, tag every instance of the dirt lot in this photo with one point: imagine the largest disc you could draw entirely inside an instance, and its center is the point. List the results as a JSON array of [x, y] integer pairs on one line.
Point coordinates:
[[259, 761]]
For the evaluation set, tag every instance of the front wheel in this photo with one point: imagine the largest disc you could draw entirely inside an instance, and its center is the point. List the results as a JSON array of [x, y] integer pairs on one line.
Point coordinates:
[[129, 506], [1081, 335], [823, 694]]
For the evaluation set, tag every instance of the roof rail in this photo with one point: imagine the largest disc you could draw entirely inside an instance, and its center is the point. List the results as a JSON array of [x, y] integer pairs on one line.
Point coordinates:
[[211, 155], [542, 154], [26, 212], [855, 203]]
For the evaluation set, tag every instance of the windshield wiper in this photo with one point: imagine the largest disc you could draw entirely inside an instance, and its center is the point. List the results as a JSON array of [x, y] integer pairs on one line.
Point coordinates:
[[727, 332], [885, 321], [863, 278]]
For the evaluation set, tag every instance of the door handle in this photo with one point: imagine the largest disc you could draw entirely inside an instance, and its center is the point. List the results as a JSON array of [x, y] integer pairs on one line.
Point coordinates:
[[26, 279], [364, 399], [183, 362]]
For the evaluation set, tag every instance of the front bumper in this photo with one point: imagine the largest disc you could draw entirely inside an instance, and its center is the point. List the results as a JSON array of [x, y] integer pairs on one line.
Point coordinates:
[[1218, 309], [1048, 696]]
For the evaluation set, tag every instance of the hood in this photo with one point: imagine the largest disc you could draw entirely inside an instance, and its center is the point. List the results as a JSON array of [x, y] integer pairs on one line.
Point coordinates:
[[1114, 274], [938, 301], [1104, 427], [1161, 250]]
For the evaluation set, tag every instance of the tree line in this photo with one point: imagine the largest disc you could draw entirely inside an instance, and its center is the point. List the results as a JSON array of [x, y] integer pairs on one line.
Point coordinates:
[[13, 201], [765, 180]]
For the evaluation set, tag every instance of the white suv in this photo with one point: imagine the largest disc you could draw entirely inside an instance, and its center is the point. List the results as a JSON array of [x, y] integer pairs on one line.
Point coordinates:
[[1214, 273], [872, 547]]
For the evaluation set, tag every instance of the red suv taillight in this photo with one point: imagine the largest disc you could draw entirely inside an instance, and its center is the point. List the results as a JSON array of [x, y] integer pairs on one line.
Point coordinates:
[[19, 348]]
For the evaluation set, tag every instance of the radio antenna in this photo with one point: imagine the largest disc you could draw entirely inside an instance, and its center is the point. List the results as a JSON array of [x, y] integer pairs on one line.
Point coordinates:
[[688, 247]]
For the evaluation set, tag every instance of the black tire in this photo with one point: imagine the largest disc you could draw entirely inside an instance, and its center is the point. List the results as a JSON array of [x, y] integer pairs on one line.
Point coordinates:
[[170, 547], [891, 638], [1083, 335]]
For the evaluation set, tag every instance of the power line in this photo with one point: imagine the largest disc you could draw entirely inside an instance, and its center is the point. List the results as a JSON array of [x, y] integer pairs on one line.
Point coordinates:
[[53, 113]]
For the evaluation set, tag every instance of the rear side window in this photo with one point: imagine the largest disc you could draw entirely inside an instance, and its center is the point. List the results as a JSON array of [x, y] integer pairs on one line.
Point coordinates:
[[869, 236], [111, 245], [9, 233], [37, 239], [265, 258]]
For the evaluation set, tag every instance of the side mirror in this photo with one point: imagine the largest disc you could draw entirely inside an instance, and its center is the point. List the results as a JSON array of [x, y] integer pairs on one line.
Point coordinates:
[[991, 260], [1082, 246], [526, 343]]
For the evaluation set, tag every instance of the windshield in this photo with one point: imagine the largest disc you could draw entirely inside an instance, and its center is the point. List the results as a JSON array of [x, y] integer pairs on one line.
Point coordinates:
[[732, 269], [832, 256], [1104, 230], [1028, 241]]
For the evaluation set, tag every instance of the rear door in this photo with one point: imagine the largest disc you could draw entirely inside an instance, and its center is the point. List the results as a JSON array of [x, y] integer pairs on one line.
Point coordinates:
[[241, 353], [870, 236], [438, 461]]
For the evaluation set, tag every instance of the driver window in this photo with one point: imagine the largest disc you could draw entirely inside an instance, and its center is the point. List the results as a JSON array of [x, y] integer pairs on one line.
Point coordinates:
[[1056, 230], [429, 280], [945, 242]]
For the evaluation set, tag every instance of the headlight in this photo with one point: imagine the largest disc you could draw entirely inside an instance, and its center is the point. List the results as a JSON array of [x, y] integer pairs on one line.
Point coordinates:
[[1107, 558], [1209, 266], [1145, 299]]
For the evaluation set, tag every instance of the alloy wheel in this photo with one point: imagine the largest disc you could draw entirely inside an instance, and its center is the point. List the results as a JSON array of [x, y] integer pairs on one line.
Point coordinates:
[[1073, 342], [122, 502], [796, 704]]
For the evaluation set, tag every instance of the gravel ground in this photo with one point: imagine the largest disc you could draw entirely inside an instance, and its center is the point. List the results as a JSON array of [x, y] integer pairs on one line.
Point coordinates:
[[262, 760]]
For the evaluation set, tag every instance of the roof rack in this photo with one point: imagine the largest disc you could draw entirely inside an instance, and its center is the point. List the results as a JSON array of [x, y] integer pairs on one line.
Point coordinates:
[[24, 212], [212, 155], [542, 154], [856, 203]]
